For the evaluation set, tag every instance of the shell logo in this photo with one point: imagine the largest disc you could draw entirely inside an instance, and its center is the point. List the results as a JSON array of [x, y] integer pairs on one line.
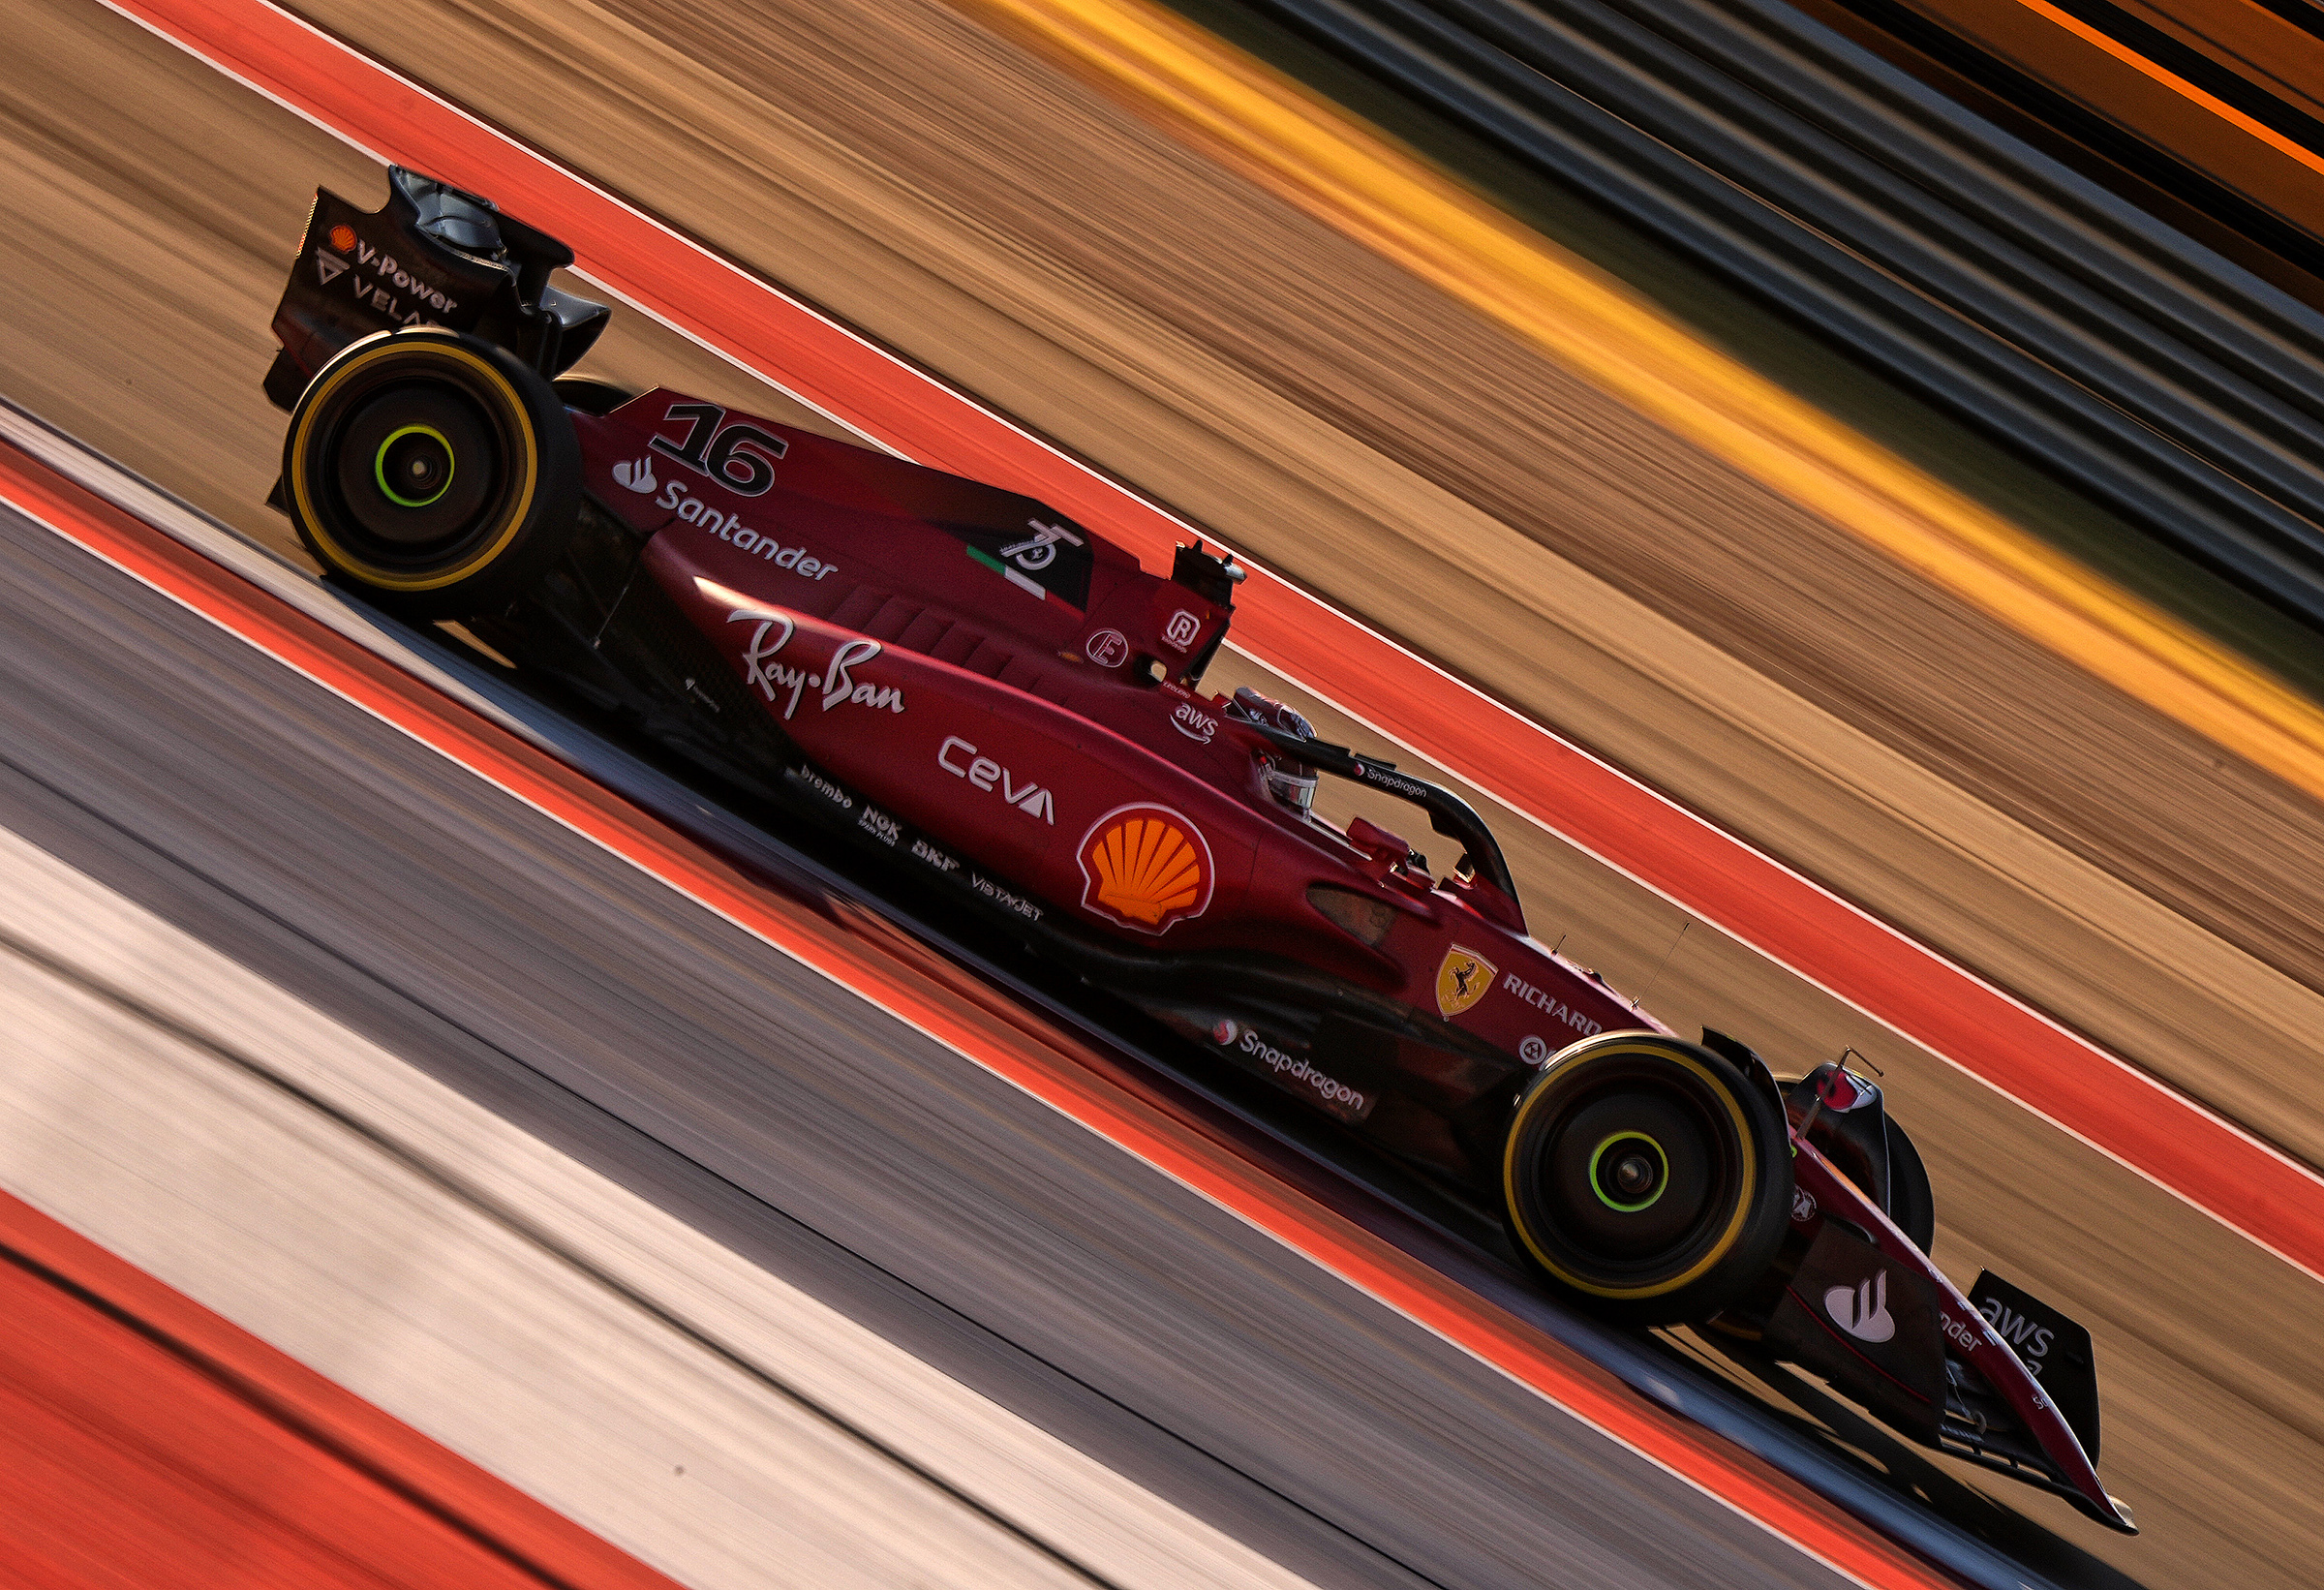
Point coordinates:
[[1146, 867]]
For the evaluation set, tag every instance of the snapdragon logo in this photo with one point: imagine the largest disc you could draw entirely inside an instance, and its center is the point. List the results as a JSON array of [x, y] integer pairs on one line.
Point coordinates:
[[1328, 1089]]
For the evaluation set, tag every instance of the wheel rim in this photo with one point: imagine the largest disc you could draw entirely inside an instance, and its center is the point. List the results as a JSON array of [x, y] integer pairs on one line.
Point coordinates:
[[415, 466], [1628, 1172], [416, 463]]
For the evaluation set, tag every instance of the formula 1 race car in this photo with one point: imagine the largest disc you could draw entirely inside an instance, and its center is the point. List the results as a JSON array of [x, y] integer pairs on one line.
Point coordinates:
[[1007, 710]]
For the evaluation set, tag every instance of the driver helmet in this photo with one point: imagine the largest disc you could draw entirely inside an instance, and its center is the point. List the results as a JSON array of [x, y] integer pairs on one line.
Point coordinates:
[[1288, 780], [1292, 782]]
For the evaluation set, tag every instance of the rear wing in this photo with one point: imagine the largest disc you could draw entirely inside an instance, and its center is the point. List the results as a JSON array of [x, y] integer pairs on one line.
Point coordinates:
[[431, 255]]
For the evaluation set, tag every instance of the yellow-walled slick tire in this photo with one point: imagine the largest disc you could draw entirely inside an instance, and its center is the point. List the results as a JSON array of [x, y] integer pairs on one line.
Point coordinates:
[[433, 471], [1646, 1179]]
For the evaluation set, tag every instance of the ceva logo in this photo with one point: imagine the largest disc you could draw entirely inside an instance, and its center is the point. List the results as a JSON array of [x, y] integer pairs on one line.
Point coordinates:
[[1862, 1310], [636, 474], [986, 774]]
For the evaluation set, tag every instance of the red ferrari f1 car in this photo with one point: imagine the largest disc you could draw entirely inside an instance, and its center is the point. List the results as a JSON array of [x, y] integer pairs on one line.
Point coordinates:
[[1008, 708]]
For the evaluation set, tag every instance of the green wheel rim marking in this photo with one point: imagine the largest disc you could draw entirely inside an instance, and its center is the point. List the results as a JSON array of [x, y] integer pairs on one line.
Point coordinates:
[[1597, 1154], [379, 466]]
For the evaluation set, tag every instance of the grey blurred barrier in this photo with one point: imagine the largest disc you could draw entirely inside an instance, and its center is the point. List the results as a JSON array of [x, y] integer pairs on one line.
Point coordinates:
[[2123, 358]]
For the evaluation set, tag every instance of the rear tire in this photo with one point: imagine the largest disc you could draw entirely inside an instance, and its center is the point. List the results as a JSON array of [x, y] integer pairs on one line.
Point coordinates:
[[1645, 1179], [434, 472]]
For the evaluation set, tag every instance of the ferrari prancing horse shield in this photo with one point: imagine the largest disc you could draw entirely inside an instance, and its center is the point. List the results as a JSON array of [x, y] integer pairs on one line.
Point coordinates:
[[1464, 978]]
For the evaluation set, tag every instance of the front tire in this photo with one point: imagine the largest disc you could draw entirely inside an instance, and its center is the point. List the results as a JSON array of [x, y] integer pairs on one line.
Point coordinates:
[[434, 472], [1646, 1179]]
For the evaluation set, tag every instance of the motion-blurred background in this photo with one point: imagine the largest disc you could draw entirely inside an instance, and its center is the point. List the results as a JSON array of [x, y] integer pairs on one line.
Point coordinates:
[[1887, 428]]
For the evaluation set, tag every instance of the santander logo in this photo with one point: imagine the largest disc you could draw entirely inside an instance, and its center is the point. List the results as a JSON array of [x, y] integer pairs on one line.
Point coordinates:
[[637, 475], [1862, 1310]]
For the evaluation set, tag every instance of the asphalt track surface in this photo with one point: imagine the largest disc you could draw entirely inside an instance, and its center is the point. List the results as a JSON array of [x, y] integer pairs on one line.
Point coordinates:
[[410, 1289], [2211, 1382], [840, 1149]]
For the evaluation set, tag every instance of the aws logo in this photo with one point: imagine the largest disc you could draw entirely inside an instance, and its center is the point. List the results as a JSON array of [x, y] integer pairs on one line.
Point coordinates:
[[1145, 867], [1193, 722], [2032, 1340]]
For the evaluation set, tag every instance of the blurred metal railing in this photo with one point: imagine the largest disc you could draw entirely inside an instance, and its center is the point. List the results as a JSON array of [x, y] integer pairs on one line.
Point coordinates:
[[2158, 377]]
